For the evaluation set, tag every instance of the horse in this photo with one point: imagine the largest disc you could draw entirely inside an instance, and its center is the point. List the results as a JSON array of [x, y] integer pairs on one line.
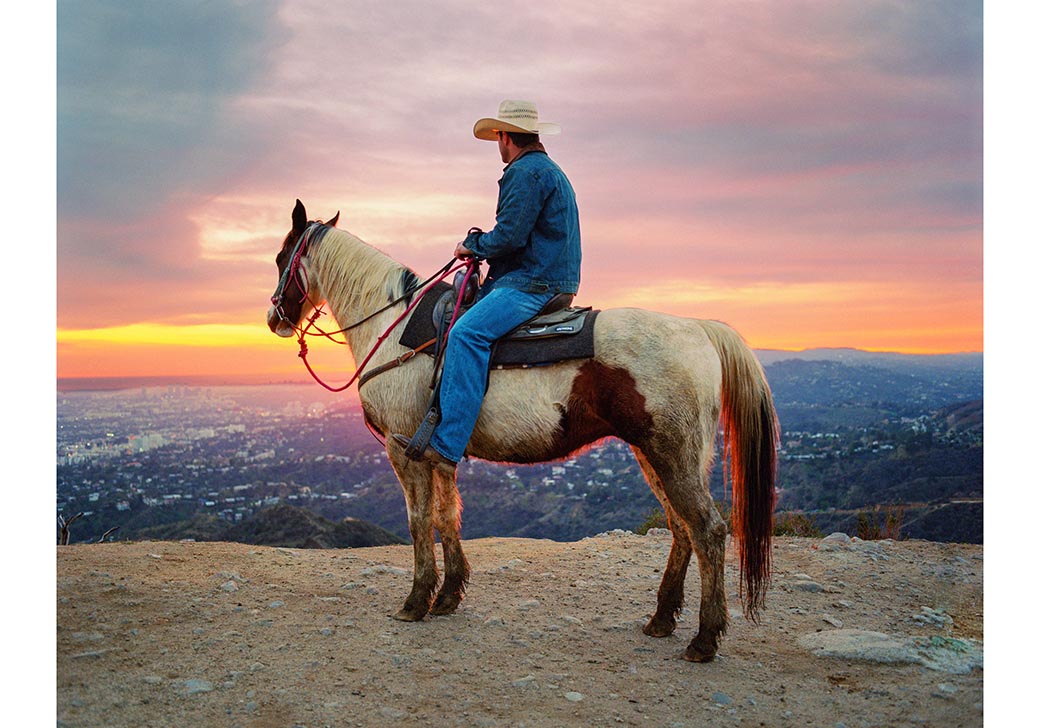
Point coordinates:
[[663, 384]]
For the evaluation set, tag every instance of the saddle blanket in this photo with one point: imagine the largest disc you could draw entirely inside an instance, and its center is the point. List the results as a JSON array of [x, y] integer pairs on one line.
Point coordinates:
[[567, 335]]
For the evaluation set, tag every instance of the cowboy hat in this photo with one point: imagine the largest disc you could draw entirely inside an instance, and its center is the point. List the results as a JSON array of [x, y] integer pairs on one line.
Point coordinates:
[[520, 117]]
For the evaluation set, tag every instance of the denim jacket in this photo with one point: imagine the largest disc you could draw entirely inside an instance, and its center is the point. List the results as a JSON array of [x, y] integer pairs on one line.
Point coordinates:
[[535, 245]]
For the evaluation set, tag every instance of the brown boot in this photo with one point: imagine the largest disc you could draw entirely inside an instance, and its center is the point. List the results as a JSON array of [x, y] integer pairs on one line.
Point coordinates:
[[428, 454]]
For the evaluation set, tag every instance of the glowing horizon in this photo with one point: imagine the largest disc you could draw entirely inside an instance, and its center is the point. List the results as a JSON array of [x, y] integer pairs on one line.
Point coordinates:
[[805, 172]]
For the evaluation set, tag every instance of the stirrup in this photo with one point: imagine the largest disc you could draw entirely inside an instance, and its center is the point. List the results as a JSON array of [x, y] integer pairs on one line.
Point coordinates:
[[421, 439]]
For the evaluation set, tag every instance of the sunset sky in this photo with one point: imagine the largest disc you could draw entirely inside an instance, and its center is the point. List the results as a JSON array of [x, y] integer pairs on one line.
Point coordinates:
[[809, 172]]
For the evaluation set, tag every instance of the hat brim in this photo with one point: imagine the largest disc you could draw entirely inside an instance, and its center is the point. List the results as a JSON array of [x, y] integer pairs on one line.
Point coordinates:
[[487, 129]]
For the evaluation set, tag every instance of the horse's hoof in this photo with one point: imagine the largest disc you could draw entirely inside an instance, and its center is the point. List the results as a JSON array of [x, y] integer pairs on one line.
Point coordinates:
[[694, 656], [445, 605], [659, 628], [698, 651], [409, 615]]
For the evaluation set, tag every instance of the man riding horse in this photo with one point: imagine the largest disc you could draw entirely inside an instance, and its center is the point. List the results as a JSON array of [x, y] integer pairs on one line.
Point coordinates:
[[534, 255]]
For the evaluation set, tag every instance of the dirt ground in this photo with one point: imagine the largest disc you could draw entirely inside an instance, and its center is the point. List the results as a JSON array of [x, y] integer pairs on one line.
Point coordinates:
[[224, 634]]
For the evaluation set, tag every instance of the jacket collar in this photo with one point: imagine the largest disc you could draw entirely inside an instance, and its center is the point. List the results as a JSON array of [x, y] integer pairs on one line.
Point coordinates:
[[536, 147]]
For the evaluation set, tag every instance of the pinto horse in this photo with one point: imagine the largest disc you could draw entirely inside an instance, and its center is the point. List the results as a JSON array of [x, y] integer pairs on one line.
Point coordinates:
[[661, 383]]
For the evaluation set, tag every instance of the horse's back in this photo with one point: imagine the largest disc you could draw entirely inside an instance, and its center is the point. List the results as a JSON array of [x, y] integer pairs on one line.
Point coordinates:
[[661, 351]]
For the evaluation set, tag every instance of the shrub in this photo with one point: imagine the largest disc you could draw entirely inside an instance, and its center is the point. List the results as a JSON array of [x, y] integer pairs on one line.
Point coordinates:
[[796, 524], [882, 522], [654, 519]]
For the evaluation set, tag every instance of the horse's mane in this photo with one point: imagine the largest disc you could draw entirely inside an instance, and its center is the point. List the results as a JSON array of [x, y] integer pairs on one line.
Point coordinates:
[[352, 270]]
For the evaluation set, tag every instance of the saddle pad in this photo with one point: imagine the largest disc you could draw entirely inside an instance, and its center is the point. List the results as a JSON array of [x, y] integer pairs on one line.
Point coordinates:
[[507, 352]]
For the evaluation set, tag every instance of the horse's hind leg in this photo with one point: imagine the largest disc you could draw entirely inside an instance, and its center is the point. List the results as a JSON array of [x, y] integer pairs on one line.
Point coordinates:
[[694, 521], [710, 544], [671, 593], [416, 481], [447, 518]]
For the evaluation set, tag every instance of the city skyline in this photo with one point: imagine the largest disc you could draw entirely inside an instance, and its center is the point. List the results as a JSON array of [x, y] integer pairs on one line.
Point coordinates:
[[810, 172]]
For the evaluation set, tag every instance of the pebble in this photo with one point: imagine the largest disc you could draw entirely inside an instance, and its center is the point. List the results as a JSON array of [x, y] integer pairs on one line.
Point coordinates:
[[229, 586], [523, 682], [574, 697], [720, 698], [383, 569], [933, 617], [275, 604], [193, 686], [807, 586]]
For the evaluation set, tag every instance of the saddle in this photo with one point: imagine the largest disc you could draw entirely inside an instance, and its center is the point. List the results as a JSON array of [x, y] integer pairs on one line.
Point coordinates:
[[559, 332]]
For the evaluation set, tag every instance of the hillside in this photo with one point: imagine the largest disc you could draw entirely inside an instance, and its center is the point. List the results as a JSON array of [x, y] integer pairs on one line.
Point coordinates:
[[174, 634], [277, 525]]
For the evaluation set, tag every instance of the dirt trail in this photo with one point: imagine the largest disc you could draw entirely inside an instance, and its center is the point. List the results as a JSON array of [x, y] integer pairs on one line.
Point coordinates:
[[225, 634]]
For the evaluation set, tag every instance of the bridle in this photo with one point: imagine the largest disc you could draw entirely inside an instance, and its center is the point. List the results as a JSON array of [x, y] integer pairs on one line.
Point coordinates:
[[294, 271]]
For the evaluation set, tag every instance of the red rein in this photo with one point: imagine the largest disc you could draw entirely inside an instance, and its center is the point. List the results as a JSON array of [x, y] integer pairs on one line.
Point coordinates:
[[471, 267]]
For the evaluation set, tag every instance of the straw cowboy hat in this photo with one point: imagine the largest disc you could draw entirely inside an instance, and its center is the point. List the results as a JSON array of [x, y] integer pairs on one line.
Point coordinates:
[[520, 117]]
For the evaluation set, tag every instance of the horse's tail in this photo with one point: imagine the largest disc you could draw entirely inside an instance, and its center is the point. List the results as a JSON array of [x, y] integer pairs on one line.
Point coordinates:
[[751, 431]]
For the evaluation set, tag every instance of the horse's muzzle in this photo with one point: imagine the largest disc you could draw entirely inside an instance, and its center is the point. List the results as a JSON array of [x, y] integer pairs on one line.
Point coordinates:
[[278, 324]]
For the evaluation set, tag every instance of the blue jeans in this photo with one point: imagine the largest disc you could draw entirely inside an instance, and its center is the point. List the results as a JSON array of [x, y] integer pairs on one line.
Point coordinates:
[[466, 359]]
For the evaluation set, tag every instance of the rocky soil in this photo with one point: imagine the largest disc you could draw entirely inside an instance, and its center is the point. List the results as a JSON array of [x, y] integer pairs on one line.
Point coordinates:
[[224, 634]]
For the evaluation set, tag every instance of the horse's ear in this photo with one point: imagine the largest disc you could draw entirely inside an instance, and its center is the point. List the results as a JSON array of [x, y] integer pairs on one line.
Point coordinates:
[[299, 218], [334, 220]]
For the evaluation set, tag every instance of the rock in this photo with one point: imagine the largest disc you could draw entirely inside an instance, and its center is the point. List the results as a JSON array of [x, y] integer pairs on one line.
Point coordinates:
[[807, 586], [383, 569], [720, 698], [193, 687], [936, 653], [837, 537], [933, 617], [275, 604], [523, 682], [229, 586], [574, 697]]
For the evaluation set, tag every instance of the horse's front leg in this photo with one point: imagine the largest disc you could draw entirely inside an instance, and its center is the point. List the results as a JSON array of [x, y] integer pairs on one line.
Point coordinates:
[[447, 517], [416, 481]]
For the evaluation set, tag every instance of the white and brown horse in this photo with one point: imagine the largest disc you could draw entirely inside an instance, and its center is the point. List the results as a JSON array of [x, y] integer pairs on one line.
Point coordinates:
[[661, 383]]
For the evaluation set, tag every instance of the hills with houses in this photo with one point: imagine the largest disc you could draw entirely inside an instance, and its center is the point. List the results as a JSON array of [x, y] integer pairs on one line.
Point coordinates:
[[871, 443]]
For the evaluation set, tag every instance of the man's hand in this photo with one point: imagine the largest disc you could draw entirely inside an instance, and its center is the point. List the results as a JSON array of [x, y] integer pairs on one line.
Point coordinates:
[[461, 251]]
